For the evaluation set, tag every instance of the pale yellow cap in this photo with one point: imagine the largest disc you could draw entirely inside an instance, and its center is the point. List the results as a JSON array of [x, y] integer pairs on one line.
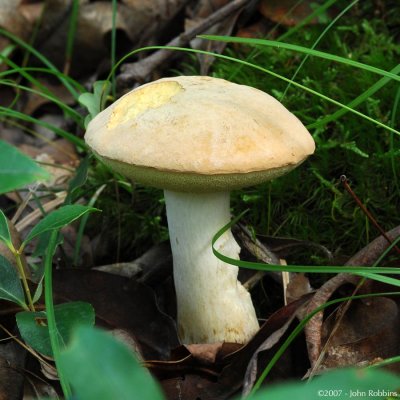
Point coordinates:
[[196, 133]]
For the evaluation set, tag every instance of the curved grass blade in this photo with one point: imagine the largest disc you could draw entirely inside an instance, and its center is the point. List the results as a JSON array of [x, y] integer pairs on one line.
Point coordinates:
[[23, 73], [357, 270], [357, 101], [6, 112], [315, 44], [41, 57], [267, 71], [301, 49], [113, 45], [19, 70], [73, 22], [393, 161], [317, 12], [64, 107]]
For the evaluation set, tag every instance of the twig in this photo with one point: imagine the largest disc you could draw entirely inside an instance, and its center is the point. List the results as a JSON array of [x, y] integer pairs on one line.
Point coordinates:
[[364, 209], [138, 71], [25, 346], [33, 216], [260, 251], [366, 256]]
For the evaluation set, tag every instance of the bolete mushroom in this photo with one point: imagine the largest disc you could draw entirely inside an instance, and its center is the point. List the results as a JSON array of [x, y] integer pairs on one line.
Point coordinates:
[[198, 138]]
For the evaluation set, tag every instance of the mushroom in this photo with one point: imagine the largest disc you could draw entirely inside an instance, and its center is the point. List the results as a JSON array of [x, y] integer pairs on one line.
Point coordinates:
[[198, 138]]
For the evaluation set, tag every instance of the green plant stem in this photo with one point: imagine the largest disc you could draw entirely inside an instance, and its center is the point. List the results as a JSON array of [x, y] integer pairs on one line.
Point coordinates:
[[22, 274], [83, 224], [386, 361], [51, 320]]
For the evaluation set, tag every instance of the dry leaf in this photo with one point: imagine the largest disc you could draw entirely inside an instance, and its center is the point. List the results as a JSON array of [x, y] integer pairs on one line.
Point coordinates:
[[358, 339], [122, 304]]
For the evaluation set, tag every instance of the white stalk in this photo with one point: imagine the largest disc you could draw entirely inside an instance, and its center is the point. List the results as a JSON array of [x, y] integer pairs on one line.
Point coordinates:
[[213, 306]]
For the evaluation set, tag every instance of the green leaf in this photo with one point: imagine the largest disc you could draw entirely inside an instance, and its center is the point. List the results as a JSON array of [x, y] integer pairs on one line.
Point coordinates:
[[38, 292], [34, 330], [17, 170], [101, 368], [10, 284], [5, 235], [94, 102], [340, 384], [41, 248], [57, 219]]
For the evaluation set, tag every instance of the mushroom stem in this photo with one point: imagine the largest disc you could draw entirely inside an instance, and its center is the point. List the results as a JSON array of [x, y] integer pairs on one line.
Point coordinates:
[[213, 306]]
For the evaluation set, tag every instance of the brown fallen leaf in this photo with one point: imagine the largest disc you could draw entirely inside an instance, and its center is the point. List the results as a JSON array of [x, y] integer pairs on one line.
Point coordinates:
[[12, 362], [298, 286], [135, 21], [217, 371], [257, 30], [120, 303], [366, 256], [286, 12], [12, 20], [35, 102], [359, 338], [151, 268], [59, 158], [206, 353]]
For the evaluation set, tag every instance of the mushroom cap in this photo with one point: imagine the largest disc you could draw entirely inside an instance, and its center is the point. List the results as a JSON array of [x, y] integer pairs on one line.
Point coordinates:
[[199, 134]]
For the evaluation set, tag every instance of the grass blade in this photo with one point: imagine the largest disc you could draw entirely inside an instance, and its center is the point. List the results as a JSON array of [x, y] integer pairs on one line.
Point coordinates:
[[304, 50], [73, 22], [64, 107], [246, 63], [8, 113], [315, 44], [41, 57]]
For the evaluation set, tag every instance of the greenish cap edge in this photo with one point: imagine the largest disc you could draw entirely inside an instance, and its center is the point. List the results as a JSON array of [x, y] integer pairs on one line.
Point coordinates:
[[191, 182]]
